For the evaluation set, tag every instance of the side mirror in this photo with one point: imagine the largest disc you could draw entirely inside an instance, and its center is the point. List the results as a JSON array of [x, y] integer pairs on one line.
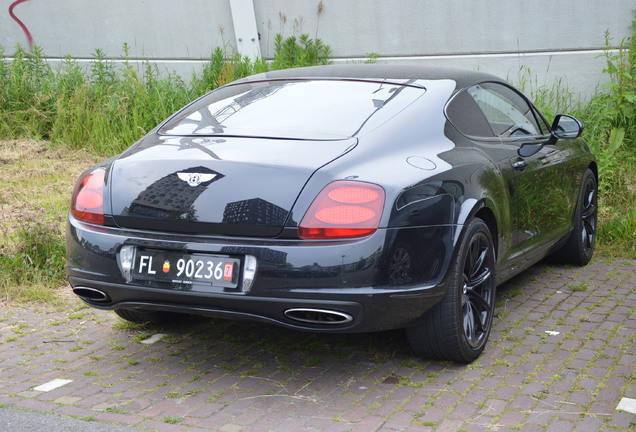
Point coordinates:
[[563, 127], [566, 127]]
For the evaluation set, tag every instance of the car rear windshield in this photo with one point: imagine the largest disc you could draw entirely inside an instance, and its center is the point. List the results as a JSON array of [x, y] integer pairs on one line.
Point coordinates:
[[298, 109]]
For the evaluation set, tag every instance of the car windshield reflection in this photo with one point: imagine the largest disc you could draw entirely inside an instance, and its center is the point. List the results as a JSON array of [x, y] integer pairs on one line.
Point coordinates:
[[300, 109]]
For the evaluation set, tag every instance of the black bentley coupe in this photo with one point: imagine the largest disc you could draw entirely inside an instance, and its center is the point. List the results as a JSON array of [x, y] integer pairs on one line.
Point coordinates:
[[350, 198]]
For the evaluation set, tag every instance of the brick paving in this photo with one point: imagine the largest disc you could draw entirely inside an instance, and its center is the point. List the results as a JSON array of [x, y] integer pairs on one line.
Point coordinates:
[[561, 357]]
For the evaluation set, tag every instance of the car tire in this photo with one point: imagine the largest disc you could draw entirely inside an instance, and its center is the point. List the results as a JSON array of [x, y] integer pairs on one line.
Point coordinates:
[[579, 248], [142, 316], [457, 328]]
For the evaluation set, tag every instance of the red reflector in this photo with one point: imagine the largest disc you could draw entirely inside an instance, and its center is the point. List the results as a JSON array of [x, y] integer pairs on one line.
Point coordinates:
[[334, 233], [87, 203], [344, 209]]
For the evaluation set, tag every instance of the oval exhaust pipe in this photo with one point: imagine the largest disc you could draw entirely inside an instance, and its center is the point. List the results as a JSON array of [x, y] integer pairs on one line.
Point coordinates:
[[91, 294], [318, 316]]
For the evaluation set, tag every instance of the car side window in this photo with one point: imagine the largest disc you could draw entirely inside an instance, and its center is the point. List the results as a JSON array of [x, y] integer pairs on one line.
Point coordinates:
[[543, 124], [467, 117], [507, 112]]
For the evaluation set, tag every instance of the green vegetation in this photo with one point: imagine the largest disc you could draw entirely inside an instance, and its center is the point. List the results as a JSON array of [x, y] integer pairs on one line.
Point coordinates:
[[578, 287], [38, 249], [172, 420], [109, 105], [304, 51], [99, 110], [611, 122], [610, 129], [36, 184]]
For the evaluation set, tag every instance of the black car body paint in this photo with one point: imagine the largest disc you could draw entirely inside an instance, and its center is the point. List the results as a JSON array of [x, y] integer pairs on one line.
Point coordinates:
[[206, 182]]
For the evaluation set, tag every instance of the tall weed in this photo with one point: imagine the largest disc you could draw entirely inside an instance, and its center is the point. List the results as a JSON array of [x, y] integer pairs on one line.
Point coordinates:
[[34, 252], [610, 129], [551, 98], [221, 70], [27, 95], [621, 67], [110, 105], [297, 52], [610, 120]]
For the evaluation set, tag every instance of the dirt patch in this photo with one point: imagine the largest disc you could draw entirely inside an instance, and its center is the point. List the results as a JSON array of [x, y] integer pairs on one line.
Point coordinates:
[[35, 175], [36, 182]]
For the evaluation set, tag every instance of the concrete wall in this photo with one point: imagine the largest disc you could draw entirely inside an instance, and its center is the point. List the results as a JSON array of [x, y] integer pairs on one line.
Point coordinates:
[[554, 39]]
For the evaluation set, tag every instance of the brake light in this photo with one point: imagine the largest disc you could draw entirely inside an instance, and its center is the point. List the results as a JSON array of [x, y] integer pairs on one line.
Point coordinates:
[[344, 209], [87, 203]]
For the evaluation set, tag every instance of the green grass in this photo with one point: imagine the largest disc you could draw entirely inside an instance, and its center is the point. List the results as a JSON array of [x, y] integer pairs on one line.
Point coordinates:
[[172, 420], [610, 119], [109, 106], [37, 180], [610, 129], [578, 287]]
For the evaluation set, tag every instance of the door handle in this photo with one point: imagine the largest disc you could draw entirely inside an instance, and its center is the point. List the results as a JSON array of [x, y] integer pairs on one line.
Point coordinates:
[[520, 165]]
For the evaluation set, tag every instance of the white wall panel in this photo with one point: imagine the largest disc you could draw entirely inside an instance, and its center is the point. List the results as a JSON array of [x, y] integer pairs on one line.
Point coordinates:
[[556, 39]]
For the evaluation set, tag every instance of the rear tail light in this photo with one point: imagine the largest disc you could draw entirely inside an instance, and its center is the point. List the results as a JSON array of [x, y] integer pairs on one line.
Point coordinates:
[[87, 203], [344, 209]]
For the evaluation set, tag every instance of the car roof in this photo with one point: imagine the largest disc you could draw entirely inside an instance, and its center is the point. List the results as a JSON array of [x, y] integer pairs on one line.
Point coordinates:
[[386, 72]]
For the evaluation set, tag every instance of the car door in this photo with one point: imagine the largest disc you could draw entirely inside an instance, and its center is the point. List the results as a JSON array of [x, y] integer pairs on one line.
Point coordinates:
[[540, 179]]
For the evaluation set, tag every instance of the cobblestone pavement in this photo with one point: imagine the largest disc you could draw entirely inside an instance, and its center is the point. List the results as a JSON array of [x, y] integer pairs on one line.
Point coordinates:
[[561, 357]]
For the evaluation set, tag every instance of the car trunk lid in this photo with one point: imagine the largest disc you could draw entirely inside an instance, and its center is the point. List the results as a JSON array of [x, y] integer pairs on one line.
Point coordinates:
[[227, 186]]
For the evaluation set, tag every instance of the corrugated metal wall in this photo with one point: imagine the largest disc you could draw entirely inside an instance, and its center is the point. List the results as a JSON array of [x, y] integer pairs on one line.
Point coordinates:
[[554, 39]]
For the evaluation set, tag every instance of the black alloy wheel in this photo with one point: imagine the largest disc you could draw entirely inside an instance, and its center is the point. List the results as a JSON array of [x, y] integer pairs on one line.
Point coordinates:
[[580, 245], [478, 291], [458, 327], [589, 216]]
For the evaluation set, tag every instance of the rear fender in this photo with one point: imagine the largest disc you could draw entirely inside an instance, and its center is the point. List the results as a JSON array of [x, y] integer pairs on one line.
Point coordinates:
[[427, 204]]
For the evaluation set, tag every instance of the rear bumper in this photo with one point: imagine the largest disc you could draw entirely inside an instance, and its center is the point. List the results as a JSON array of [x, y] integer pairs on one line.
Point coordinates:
[[369, 311], [346, 278]]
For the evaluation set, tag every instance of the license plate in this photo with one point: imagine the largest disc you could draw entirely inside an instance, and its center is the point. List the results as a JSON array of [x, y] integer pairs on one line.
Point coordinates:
[[186, 269]]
